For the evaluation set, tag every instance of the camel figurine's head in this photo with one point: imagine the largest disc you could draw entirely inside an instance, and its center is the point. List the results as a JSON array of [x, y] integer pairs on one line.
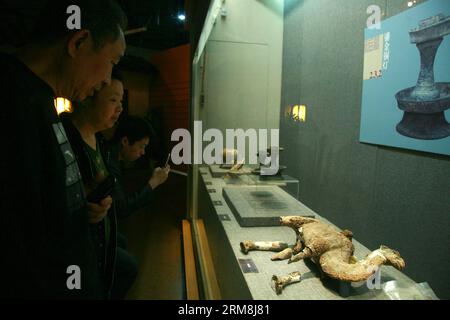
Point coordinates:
[[295, 221], [393, 257]]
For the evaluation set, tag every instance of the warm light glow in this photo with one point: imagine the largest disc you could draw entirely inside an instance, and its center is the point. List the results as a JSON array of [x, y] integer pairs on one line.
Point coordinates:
[[63, 105], [299, 113]]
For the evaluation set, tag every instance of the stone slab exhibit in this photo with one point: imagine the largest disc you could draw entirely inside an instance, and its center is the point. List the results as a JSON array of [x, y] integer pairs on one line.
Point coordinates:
[[256, 206]]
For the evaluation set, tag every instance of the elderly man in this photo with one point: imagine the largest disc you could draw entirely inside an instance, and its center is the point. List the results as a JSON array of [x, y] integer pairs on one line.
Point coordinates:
[[47, 251]]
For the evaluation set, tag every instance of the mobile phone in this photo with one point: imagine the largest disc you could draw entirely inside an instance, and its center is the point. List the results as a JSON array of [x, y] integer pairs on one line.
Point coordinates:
[[167, 161], [103, 190]]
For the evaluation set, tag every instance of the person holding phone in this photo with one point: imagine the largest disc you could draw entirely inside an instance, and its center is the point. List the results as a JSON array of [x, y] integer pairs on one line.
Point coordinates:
[[43, 211], [117, 267], [130, 140]]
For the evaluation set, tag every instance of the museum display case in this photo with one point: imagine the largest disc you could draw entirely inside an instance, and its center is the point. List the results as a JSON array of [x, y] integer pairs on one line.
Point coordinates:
[[257, 79], [232, 219]]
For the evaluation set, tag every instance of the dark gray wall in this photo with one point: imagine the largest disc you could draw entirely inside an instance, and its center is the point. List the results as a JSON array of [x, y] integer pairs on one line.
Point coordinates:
[[384, 195]]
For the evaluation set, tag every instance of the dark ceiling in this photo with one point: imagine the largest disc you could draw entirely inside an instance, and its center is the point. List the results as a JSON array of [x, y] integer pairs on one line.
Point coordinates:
[[160, 17]]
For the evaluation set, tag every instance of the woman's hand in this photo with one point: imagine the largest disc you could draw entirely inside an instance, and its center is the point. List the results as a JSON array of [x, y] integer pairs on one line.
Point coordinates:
[[98, 211]]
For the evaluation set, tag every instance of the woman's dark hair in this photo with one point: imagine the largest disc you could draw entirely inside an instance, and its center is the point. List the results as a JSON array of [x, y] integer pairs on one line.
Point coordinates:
[[134, 128], [103, 18], [79, 105], [116, 74]]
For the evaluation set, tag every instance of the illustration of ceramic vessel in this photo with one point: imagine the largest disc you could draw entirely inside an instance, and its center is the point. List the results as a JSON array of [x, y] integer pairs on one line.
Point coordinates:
[[424, 104]]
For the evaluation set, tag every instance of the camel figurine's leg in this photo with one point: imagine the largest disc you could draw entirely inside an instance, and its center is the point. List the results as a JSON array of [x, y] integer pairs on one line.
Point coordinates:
[[280, 282], [306, 253], [298, 245], [287, 253], [277, 246], [283, 255]]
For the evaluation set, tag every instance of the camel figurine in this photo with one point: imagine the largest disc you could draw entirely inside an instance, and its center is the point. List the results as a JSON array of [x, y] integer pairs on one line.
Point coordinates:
[[328, 248]]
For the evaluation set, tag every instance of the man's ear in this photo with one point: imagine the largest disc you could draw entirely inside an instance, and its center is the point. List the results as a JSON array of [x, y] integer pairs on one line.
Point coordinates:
[[124, 141], [77, 41]]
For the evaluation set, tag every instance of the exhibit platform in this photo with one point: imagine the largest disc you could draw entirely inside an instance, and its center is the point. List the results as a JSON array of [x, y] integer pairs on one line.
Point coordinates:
[[248, 276]]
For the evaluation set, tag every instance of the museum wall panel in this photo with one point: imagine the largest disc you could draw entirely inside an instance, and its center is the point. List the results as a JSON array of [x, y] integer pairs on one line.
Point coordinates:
[[242, 62]]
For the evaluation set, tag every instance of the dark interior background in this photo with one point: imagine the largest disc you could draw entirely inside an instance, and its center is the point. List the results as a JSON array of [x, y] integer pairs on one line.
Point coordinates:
[[156, 70], [159, 17]]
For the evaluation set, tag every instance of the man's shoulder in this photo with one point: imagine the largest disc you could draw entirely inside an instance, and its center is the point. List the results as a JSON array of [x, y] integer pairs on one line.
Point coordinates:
[[15, 76], [17, 82], [7, 59], [10, 66], [14, 89]]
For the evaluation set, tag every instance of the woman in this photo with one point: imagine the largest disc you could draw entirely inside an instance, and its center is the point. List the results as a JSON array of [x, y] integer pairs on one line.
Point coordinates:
[[97, 113]]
